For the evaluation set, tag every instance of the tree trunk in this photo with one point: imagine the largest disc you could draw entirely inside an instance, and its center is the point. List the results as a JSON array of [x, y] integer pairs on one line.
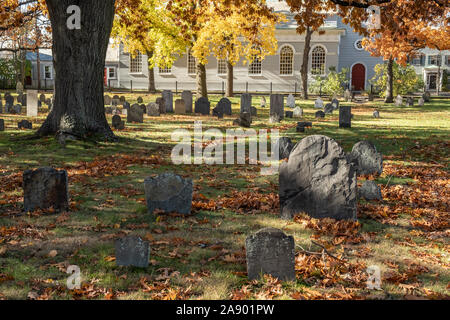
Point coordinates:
[[79, 60], [38, 67], [202, 90], [304, 69], [230, 79], [151, 76], [390, 82]]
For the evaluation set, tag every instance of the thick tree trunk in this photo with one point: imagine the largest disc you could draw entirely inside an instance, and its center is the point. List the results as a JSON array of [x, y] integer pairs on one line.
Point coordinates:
[[390, 82], [305, 63], [230, 79], [79, 59], [151, 76], [202, 90]]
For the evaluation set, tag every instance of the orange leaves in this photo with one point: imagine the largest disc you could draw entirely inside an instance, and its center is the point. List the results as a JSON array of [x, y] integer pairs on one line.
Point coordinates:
[[251, 202]]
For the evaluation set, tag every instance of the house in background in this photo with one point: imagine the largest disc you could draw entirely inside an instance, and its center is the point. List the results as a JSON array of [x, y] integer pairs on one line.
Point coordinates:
[[46, 73], [429, 64]]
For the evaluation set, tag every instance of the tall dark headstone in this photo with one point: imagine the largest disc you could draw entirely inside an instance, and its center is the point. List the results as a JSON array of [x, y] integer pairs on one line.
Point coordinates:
[[276, 108], [345, 117]]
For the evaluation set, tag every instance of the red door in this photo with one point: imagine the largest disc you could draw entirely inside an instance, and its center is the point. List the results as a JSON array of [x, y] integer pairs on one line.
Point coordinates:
[[105, 77], [358, 77]]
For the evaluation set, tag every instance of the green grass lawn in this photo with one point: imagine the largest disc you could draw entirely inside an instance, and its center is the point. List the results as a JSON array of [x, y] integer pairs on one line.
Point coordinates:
[[203, 256]]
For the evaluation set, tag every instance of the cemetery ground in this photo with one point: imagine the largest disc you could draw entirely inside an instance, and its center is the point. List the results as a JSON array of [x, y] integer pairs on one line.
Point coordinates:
[[202, 256]]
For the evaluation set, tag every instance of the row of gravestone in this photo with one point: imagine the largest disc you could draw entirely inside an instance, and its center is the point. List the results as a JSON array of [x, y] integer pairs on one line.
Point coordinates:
[[23, 124], [399, 100], [30, 100]]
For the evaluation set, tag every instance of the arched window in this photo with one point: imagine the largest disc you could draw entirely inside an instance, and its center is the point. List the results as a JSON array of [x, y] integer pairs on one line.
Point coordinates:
[[192, 64], [136, 63], [286, 60], [318, 61]]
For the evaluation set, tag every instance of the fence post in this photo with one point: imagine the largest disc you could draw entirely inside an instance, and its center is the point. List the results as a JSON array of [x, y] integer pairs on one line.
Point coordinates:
[[320, 92], [223, 88], [176, 87], [295, 90], [246, 87], [271, 87], [131, 86]]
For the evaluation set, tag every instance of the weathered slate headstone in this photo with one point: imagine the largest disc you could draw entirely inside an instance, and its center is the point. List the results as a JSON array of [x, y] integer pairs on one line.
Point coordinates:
[[122, 99], [318, 104], [289, 114], [116, 97], [202, 106], [187, 97], [276, 108], [225, 104], [180, 106], [244, 120], [253, 111], [139, 100], [335, 104], [376, 114], [115, 101], [42, 98], [263, 102], [107, 100], [370, 191], [169, 192], [135, 114], [218, 111], [399, 101], [328, 108], [25, 124], [16, 109], [132, 251], [45, 188], [117, 122], [426, 96], [19, 88], [410, 102], [421, 102], [285, 147], [168, 100], [2, 125], [153, 109], [290, 101], [9, 100], [366, 158], [320, 114], [298, 112], [270, 251], [126, 105], [345, 117], [318, 180], [23, 101], [161, 105], [302, 125], [246, 102]]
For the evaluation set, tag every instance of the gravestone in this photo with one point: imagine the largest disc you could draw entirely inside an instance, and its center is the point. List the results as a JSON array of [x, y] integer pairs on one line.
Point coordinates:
[[366, 158], [347, 95], [376, 114], [32, 110], [399, 101], [421, 102], [135, 114], [115, 101], [320, 114], [122, 99], [263, 102], [132, 251], [180, 106], [202, 106], [345, 117], [298, 112], [225, 103], [144, 108], [187, 97], [370, 191], [270, 251], [117, 122], [410, 102], [302, 125], [244, 120], [161, 105], [42, 98], [276, 108], [289, 114], [2, 125], [108, 110], [107, 100], [246, 102], [253, 111], [370, 96], [335, 104], [328, 108], [9, 99], [285, 146], [318, 104], [126, 106], [426, 96], [23, 101], [45, 188], [139, 100], [169, 192], [218, 111], [19, 88], [290, 101], [318, 180], [168, 100], [16, 109], [32, 103], [153, 109], [116, 97], [25, 124], [1, 104]]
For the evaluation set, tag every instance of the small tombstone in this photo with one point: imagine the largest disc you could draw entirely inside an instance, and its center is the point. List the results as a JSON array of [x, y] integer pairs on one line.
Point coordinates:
[[302, 125], [225, 103], [23, 101], [246, 102], [126, 105], [289, 114], [153, 109], [116, 97], [161, 105], [187, 97], [218, 111], [108, 110], [328, 108], [318, 104], [42, 98], [25, 124], [19, 88], [45, 188], [276, 108], [132, 251], [244, 120], [426, 96], [335, 104], [115, 101], [117, 122], [421, 102], [376, 114], [168, 100], [370, 191], [253, 111], [9, 99], [290, 101], [135, 114], [410, 102], [263, 102], [371, 97], [169, 192], [270, 251], [139, 100], [298, 112], [366, 158], [122, 99], [16, 109], [399, 101], [347, 95], [320, 114], [107, 100], [285, 147], [345, 117], [202, 106], [32, 108], [2, 125], [180, 106]]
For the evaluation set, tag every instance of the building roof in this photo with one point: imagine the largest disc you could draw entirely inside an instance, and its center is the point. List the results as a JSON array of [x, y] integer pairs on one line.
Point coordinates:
[[32, 56]]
